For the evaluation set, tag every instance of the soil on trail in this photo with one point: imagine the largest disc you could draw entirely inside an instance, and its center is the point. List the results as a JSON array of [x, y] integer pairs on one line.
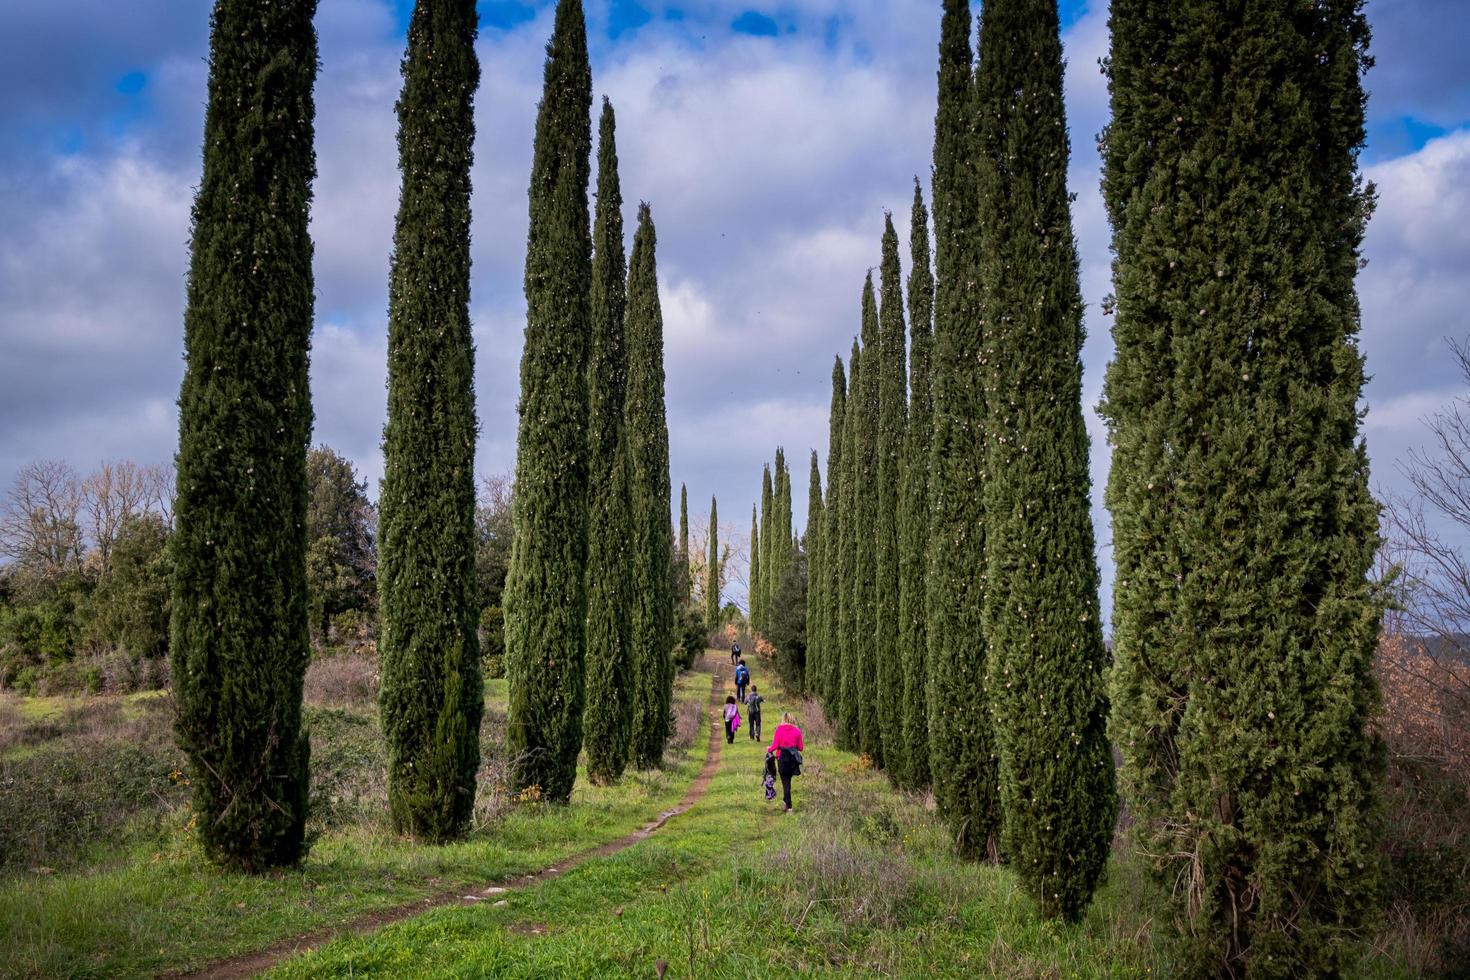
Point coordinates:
[[250, 964]]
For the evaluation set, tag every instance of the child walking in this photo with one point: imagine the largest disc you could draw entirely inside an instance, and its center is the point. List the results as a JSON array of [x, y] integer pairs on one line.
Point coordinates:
[[732, 719]]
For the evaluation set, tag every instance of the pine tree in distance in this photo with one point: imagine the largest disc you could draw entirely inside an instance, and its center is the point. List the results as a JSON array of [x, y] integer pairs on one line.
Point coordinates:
[[238, 636], [712, 575], [755, 564], [608, 721], [431, 696], [545, 592]]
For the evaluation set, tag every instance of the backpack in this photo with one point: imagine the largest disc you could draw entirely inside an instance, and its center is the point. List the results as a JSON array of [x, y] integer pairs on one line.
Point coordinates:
[[741, 674], [753, 705]]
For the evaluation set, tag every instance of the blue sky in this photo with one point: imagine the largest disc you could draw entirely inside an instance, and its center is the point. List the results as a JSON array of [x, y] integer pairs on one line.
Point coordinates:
[[769, 139]]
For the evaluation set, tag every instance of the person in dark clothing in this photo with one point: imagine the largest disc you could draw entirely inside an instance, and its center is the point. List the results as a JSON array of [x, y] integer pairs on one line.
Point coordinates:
[[787, 746], [753, 713], [734, 654], [742, 678]]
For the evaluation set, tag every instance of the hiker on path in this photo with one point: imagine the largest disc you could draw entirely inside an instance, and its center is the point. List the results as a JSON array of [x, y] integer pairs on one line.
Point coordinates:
[[732, 718], [735, 653], [787, 746], [742, 678], [753, 713]]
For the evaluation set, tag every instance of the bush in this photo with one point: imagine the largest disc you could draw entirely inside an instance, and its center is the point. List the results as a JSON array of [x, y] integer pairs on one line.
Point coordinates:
[[492, 642], [689, 637], [787, 630]]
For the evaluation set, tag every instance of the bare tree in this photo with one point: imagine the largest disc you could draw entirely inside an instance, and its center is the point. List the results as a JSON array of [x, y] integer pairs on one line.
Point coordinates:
[[40, 522], [1426, 661], [112, 493]]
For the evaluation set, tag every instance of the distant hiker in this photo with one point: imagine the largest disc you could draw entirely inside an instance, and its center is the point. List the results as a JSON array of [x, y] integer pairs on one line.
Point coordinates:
[[732, 718], [735, 653], [753, 713], [787, 746], [742, 678]]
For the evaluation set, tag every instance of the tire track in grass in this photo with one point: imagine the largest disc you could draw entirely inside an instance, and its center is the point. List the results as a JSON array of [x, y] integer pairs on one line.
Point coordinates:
[[261, 960]]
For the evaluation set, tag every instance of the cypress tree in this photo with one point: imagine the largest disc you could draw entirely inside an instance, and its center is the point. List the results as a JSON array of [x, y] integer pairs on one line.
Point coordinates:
[[892, 428], [608, 720], [768, 536], [815, 522], [712, 575], [828, 543], [1046, 656], [686, 579], [432, 696], [648, 443], [865, 519], [959, 715], [781, 518], [1244, 626], [755, 565], [914, 507], [545, 592], [848, 684], [238, 636]]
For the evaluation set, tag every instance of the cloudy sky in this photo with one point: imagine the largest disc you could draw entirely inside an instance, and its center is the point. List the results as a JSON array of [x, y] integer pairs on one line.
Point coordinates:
[[769, 139]]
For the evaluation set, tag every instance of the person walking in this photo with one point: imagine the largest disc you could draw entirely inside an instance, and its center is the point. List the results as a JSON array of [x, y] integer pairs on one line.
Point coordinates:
[[787, 746], [735, 653], [742, 678], [753, 713], [732, 718]]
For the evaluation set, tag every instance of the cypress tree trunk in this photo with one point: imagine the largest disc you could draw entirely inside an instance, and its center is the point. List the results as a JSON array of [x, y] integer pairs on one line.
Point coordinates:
[[865, 515], [913, 519], [892, 428], [848, 688], [831, 536], [238, 637], [432, 696], [1244, 623], [686, 579], [712, 576], [545, 591], [755, 565], [648, 443], [608, 719], [768, 536], [1046, 656], [960, 743]]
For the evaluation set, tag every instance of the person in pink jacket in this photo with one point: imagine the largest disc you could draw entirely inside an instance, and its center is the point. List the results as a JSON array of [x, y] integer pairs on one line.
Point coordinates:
[[786, 744], [732, 718]]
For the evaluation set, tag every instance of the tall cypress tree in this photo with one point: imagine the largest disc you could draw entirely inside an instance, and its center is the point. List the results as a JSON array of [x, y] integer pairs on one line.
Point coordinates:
[[239, 621], [913, 519], [608, 721], [815, 522], [432, 696], [781, 520], [712, 573], [1046, 656], [828, 543], [959, 715], [545, 591], [755, 565], [865, 519], [768, 535], [849, 688], [648, 443], [686, 580], [892, 428], [1244, 626]]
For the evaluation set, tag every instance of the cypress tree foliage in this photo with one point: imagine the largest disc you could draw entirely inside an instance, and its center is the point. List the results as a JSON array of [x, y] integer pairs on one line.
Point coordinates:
[[648, 444], [1244, 628], [828, 543], [545, 597], [848, 666], [238, 636], [755, 565], [607, 725], [712, 575], [1046, 658], [892, 429], [686, 580], [959, 715], [432, 696], [865, 519], [913, 515], [781, 552], [768, 535], [815, 521]]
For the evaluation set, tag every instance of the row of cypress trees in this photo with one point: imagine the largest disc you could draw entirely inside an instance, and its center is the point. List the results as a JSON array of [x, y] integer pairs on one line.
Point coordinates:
[[1243, 527], [773, 545], [593, 441]]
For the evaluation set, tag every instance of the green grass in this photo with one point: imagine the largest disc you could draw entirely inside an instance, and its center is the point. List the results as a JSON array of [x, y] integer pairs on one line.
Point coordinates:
[[142, 909]]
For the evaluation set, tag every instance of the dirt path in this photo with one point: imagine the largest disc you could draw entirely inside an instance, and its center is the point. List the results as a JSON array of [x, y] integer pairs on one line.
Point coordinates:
[[250, 964]]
